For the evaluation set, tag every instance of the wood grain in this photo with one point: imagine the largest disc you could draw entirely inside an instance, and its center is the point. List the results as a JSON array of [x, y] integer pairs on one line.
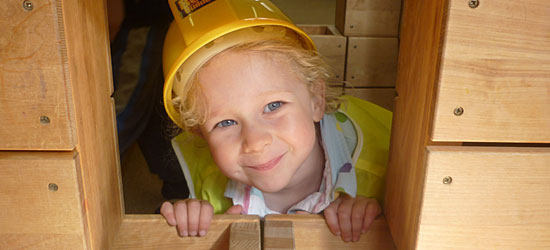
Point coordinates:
[[278, 235], [496, 66], [498, 199], [383, 97], [420, 43], [371, 62], [89, 69], [245, 236], [332, 46], [32, 79], [368, 17], [152, 232], [312, 232], [33, 215]]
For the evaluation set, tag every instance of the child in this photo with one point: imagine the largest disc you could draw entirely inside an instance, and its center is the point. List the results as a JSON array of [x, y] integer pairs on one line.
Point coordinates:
[[257, 96]]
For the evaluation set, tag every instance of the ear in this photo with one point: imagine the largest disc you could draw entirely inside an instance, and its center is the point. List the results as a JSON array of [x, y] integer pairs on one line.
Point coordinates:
[[318, 101]]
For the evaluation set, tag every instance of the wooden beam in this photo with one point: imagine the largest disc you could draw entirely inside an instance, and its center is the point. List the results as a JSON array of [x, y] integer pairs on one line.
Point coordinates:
[[278, 235], [312, 232], [245, 236]]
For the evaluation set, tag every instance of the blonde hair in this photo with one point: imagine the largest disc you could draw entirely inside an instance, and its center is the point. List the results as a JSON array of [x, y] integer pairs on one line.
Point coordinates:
[[308, 66]]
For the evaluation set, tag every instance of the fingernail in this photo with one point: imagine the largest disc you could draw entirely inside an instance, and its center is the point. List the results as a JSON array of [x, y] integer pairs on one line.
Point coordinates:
[[338, 233], [356, 238], [183, 233], [193, 233], [347, 239], [202, 233]]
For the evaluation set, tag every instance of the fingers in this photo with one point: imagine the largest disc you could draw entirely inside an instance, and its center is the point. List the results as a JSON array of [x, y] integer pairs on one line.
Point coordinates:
[[357, 217], [237, 209], [193, 216], [331, 217], [167, 211], [180, 210], [344, 218], [372, 211], [205, 217]]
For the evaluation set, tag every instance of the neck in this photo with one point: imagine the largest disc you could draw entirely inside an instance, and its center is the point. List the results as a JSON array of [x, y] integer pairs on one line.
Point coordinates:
[[307, 181]]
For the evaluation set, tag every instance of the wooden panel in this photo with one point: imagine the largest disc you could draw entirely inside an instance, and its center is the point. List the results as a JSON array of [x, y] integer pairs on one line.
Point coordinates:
[[368, 17], [90, 73], [312, 232], [496, 66], [332, 46], [33, 83], [498, 199], [371, 62], [152, 232], [278, 235], [33, 214], [420, 45], [383, 97], [245, 236]]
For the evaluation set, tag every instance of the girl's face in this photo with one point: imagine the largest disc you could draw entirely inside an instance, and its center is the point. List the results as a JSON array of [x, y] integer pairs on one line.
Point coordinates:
[[261, 125]]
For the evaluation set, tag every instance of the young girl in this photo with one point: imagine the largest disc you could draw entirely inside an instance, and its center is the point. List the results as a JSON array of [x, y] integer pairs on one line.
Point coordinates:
[[257, 97]]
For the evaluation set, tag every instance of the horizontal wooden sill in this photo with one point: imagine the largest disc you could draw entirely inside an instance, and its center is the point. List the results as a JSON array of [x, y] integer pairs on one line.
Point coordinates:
[[310, 232]]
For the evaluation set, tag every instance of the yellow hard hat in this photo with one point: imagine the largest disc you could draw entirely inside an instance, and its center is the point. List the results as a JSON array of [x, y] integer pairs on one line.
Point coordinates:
[[203, 28]]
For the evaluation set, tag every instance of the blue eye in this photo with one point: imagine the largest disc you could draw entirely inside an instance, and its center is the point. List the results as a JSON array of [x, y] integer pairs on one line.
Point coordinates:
[[273, 106], [225, 123]]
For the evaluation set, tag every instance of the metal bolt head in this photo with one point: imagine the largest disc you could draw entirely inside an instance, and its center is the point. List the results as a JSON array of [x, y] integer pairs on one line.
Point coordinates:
[[44, 119], [458, 111], [447, 180], [337, 76], [53, 187], [28, 5], [351, 26], [473, 3]]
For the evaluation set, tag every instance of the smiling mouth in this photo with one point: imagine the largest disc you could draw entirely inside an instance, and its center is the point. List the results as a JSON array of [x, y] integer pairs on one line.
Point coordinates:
[[268, 165]]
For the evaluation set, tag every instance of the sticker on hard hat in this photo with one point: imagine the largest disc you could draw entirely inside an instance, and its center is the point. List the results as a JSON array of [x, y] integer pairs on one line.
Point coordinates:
[[187, 7]]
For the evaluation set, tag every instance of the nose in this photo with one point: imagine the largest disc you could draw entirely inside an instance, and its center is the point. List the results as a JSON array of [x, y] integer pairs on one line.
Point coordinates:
[[255, 138]]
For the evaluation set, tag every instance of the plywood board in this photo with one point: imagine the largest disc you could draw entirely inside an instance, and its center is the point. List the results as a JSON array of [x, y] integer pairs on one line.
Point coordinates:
[[420, 46], [312, 232], [368, 17], [496, 67], [40, 201], [498, 199], [35, 103], [371, 62], [383, 97], [152, 232], [332, 46]]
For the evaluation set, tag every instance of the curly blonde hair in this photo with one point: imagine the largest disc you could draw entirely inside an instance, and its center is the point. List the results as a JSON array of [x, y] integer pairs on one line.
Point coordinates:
[[308, 66]]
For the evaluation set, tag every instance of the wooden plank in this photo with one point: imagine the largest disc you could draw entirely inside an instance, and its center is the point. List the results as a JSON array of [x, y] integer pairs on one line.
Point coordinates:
[[498, 199], [368, 17], [278, 235], [332, 46], [35, 102], [496, 66], [89, 68], [35, 213], [371, 62], [383, 97], [312, 232], [245, 236], [420, 45], [152, 232]]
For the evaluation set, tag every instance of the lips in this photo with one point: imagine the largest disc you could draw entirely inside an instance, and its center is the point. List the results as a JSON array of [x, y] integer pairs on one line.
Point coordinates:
[[268, 165]]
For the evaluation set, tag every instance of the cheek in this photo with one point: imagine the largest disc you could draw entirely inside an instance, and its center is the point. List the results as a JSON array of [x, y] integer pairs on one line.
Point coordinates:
[[298, 130], [223, 153]]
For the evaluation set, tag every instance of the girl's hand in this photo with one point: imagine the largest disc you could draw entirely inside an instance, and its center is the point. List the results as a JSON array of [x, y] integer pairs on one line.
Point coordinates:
[[350, 217], [191, 217]]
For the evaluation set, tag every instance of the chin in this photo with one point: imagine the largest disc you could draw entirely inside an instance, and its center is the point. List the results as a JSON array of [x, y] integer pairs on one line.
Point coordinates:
[[270, 188]]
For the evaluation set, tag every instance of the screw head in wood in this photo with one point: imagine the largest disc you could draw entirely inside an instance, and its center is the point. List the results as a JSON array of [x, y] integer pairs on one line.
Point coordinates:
[[458, 111], [351, 26], [28, 5], [53, 187], [473, 3], [44, 119], [447, 180]]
